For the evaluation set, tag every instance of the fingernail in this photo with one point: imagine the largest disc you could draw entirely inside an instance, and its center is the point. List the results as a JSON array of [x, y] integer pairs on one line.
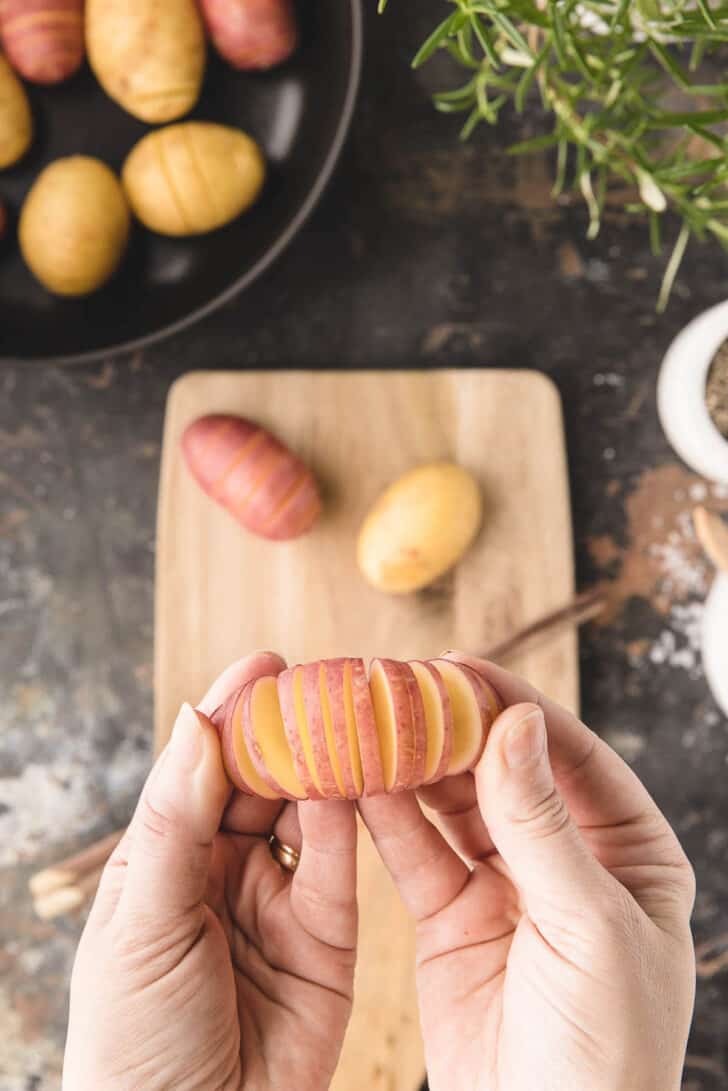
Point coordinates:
[[525, 742], [186, 742]]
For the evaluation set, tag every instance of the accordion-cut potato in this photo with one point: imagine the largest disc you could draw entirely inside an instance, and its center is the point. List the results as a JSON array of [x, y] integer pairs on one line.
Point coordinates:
[[438, 720], [148, 55], [43, 39], [246, 469], [474, 706], [419, 527], [321, 731], [194, 177], [265, 739], [74, 226], [16, 120], [251, 34]]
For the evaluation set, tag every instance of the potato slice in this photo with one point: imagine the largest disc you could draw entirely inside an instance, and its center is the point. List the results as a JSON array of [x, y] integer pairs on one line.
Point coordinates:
[[474, 707], [265, 738], [290, 695], [360, 711], [236, 759], [343, 725], [320, 728], [395, 723], [438, 720], [419, 726]]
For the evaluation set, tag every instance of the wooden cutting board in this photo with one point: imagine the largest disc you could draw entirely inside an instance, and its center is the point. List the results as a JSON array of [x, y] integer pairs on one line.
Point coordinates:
[[221, 593]]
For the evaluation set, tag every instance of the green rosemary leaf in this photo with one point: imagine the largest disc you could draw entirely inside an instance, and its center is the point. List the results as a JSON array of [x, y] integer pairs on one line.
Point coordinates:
[[440, 33], [535, 144], [672, 267]]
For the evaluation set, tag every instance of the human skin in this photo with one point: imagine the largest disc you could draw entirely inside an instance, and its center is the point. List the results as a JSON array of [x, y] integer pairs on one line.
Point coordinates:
[[553, 939], [204, 966]]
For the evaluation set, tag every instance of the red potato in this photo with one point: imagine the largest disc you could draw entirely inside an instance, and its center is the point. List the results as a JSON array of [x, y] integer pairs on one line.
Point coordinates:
[[252, 474], [290, 695], [438, 719], [343, 723], [321, 731], [43, 39], [236, 759], [265, 739], [3, 221], [251, 34]]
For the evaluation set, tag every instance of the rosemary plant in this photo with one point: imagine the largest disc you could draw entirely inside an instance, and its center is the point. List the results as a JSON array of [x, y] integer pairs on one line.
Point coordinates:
[[609, 74]]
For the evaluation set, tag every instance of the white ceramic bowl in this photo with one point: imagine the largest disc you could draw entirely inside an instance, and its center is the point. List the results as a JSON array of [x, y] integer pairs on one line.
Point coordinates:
[[681, 395]]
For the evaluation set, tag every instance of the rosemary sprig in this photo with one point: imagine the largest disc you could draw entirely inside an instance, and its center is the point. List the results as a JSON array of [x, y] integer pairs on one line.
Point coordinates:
[[617, 81]]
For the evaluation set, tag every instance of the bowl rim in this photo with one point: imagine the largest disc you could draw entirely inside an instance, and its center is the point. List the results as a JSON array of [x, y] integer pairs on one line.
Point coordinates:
[[265, 260]]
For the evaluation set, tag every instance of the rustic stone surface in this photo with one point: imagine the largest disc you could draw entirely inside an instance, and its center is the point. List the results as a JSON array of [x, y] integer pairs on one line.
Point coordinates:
[[424, 253]]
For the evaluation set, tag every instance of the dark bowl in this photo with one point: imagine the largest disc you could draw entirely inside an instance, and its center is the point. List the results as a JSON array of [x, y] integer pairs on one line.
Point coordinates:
[[299, 113]]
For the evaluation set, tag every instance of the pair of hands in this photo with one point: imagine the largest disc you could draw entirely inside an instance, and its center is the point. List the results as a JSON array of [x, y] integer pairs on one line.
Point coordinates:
[[552, 909]]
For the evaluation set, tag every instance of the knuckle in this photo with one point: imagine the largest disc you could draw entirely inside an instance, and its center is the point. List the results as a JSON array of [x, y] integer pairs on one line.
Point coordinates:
[[545, 814]]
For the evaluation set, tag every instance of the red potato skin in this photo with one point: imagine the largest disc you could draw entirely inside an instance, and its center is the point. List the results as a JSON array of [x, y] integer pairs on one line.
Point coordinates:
[[223, 720], [251, 34], [405, 761], [290, 723], [419, 727], [317, 732], [366, 729], [43, 39], [441, 767], [334, 674], [253, 745], [252, 474], [484, 695]]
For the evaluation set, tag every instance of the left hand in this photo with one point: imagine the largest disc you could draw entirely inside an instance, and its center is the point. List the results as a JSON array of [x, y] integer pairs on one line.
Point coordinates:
[[204, 965]]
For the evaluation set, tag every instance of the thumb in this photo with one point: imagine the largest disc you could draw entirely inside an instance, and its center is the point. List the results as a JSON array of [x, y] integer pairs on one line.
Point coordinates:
[[529, 821], [177, 817]]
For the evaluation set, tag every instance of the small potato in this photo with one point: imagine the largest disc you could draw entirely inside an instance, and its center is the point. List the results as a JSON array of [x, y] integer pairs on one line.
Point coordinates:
[[74, 226], [191, 178], [43, 38], [148, 55], [251, 473], [16, 120], [419, 527], [251, 34]]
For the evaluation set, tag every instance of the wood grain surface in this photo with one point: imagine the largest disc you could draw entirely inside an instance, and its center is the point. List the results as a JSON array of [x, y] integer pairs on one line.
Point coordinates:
[[220, 592]]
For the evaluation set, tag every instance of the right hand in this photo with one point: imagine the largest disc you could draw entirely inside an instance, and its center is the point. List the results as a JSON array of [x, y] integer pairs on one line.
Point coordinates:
[[553, 941]]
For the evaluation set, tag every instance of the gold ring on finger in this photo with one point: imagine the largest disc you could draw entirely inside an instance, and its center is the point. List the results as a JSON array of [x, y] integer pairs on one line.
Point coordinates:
[[283, 854]]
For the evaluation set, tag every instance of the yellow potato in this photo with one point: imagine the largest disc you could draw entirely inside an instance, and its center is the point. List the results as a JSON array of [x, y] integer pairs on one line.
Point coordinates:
[[191, 178], [419, 527], [148, 55], [16, 120], [74, 225]]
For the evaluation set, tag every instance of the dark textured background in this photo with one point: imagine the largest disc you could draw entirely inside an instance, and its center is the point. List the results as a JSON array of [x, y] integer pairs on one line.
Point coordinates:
[[423, 253]]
